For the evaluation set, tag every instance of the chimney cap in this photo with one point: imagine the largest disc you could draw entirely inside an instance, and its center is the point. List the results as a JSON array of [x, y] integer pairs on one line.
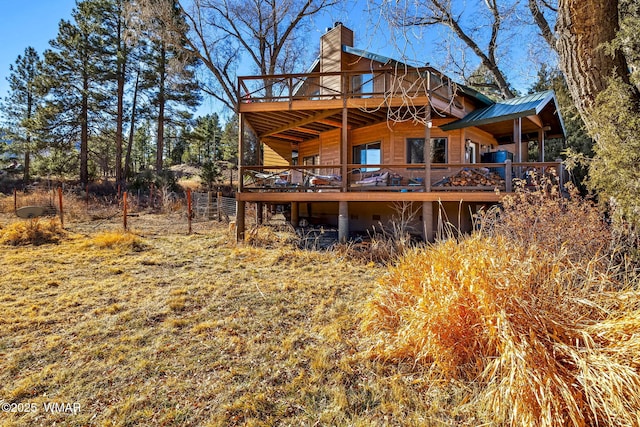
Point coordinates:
[[337, 24]]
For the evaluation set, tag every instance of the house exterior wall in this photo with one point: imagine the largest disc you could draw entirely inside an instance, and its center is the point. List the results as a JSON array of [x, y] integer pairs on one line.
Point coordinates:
[[393, 139], [276, 153]]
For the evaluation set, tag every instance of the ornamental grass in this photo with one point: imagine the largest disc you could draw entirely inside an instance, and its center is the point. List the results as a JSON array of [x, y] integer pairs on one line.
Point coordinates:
[[32, 232], [539, 331]]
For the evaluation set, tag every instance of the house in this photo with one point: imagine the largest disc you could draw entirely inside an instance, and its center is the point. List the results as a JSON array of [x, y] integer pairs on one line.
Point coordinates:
[[344, 143]]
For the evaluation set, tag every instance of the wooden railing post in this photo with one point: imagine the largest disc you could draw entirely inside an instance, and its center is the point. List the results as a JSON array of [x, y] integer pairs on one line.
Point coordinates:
[[560, 175], [508, 176], [61, 207], [189, 210]]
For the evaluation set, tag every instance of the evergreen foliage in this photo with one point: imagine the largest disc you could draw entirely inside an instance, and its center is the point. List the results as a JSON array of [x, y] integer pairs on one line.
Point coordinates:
[[577, 139], [20, 105], [615, 169]]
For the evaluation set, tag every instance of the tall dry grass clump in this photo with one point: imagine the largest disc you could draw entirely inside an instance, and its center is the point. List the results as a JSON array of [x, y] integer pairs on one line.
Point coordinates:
[[32, 232], [539, 329], [551, 221], [117, 240]]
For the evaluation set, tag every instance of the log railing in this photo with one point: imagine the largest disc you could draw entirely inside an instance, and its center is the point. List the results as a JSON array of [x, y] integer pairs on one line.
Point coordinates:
[[402, 177]]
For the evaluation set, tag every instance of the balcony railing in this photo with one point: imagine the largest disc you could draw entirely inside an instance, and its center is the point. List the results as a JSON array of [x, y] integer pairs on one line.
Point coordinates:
[[400, 81], [401, 177]]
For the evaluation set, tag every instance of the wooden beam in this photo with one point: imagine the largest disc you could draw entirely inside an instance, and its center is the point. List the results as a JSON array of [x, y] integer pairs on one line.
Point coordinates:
[[373, 196], [333, 123], [536, 120], [288, 137], [305, 130], [352, 103], [302, 122]]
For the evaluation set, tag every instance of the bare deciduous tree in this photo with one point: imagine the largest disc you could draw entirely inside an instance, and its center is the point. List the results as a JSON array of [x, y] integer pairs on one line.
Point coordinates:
[[479, 26], [227, 34]]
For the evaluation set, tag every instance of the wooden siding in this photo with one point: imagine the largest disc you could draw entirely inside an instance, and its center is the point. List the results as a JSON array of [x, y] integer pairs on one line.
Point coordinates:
[[308, 148], [276, 153], [392, 137]]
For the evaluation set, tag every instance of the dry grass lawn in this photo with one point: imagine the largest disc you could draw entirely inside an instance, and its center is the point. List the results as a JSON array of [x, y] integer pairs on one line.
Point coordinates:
[[162, 328], [532, 322]]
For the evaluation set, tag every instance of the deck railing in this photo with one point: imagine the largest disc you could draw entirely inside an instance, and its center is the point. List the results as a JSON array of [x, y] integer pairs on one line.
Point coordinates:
[[405, 81], [401, 177]]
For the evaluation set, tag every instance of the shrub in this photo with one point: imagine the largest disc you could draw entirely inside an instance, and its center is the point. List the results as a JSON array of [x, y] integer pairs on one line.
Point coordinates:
[[32, 232], [544, 341], [554, 222], [267, 237]]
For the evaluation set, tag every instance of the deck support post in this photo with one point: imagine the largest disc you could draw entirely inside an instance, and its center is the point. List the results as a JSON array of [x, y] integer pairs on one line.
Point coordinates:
[[427, 149], [295, 214], [508, 176], [240, 151], [344, 148], [541, 145], [240, 208], [517, 140], [427, 221], [259, 213], [343, 221]]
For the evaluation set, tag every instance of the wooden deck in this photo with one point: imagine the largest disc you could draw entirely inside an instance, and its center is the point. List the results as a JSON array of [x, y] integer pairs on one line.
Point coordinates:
[[371, 196]]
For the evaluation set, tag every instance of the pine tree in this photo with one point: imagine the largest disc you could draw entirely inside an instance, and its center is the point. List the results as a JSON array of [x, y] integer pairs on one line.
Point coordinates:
[[76, 76], [206, 138], [169, 80], [120, 55], [229, 140], [20, 105]]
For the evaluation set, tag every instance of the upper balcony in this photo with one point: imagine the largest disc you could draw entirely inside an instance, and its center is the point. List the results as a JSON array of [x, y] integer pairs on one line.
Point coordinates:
[[389, 87]]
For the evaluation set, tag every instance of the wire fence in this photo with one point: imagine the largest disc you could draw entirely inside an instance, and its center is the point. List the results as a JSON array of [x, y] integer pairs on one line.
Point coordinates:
[[159, 212], [211, 206]]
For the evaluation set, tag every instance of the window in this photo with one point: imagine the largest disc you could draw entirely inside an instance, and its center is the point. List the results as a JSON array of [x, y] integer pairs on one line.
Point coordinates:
[[362, 85], [311, 160], [367, 154], [471, 152], [415, 150]]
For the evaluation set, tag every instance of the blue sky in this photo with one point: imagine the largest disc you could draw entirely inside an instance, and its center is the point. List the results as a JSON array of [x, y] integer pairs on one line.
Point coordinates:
[[35, 22], [28, 23]]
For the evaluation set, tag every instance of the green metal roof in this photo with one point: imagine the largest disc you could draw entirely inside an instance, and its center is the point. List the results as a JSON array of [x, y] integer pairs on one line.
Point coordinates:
[[386, 60], [529, 105], [369, 55]]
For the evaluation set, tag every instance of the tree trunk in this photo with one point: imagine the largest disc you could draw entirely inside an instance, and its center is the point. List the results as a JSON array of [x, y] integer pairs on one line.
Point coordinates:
[[84, 132], [121, 59], [120, 119], [583, 27], [161, 102], [127, 161], [27, 163]]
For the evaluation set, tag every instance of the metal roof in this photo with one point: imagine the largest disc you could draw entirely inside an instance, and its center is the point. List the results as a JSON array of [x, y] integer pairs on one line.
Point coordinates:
[[529, 105], [369, 55], [386, 61]]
